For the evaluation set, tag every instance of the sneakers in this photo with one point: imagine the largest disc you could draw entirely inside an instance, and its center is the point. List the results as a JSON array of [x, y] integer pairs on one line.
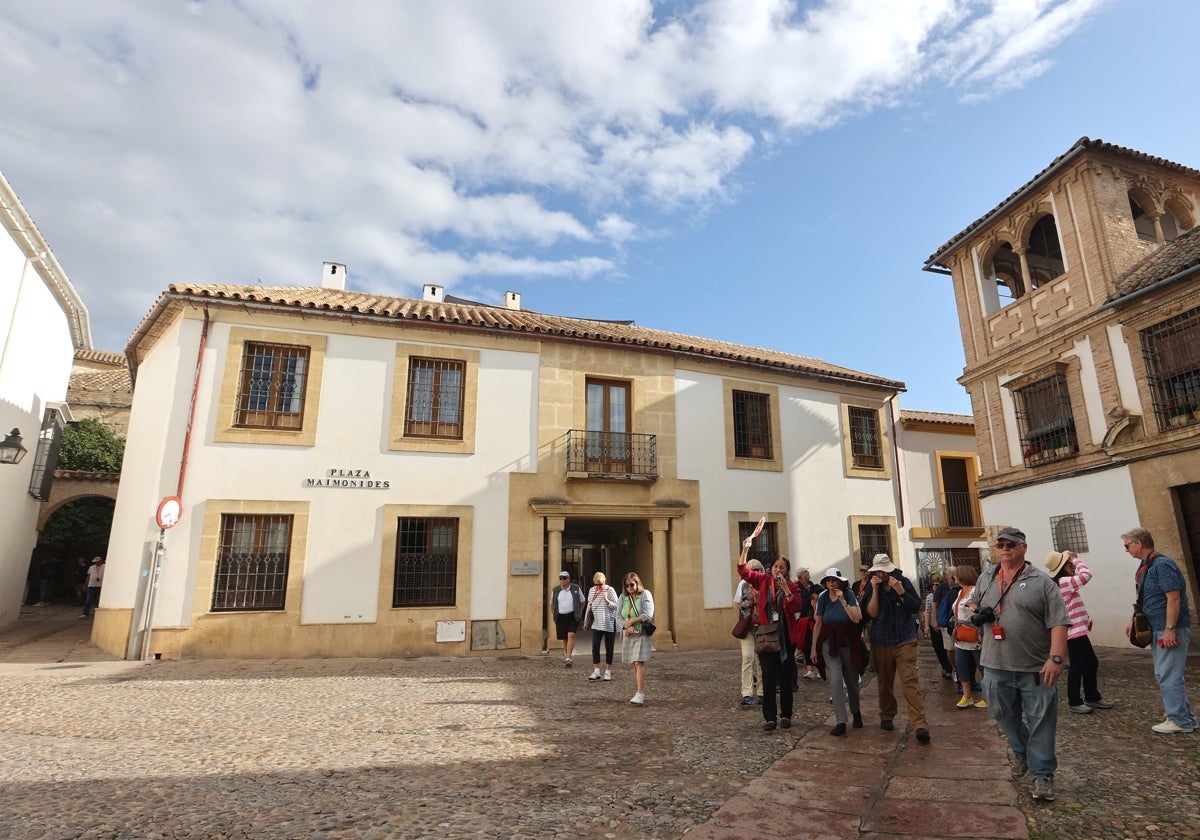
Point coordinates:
[[568, 663], [1081, 709], [981, 703], [810, 675], [857, 720], [1043, 788], [608, 676], [923, 737], [595, 675], [946, 675], [964, 703], [840, 729], [1101, 704], [85, 615], [786, 722], [886, 725], [748, 701], [1018, 767], [638, 699], [769, 726], [1170, 727]]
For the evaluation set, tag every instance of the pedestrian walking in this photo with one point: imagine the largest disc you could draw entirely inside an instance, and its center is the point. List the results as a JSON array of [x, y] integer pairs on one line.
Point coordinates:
[[566, 603], [1072, 574], [893, 604], [838, 648], [967, 643], [636, 608], [95, 579], [1023, 621], [744, 597], [601, 617], [1165, 604]]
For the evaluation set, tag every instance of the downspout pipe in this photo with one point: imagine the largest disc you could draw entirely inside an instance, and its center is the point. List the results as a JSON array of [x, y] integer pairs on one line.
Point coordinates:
[[187, 439], [890, 401]]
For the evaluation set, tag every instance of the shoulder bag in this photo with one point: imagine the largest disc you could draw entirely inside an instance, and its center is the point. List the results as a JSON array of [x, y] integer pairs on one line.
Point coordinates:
[[741, 628], [1139, 625], [648, 626]]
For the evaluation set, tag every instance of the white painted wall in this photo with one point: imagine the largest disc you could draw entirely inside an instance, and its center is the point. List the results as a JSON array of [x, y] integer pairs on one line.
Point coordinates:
[[344, 541], [1107, 503], [35, 366], [812, 489]]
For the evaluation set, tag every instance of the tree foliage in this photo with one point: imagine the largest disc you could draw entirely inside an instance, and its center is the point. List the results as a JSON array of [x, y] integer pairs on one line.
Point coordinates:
[[89, 445], [79, 528]]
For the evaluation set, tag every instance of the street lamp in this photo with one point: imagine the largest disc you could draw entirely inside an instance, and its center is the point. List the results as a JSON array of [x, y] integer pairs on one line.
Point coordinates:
[[11, 450]]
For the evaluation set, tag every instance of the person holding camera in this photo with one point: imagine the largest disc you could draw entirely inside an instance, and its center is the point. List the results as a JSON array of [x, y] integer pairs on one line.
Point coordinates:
[[1023, 621], [777, 602], [893, 604], [837, 646]]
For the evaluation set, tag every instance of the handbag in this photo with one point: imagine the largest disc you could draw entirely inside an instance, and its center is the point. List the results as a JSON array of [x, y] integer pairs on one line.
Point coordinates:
[[766, 638], [966, 634], [648, 627], [741, 628], [1139, 625], [1139, 628]]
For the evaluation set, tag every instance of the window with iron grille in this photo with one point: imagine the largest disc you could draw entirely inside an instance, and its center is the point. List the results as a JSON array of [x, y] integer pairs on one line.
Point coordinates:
[[1045, 421], [765, 548], [426, 562], [435, 398], [751, 425], [271, 394], [866, 442], [872, 540], [1172, 354], [252, 562], [45, 460], [1069, 533]]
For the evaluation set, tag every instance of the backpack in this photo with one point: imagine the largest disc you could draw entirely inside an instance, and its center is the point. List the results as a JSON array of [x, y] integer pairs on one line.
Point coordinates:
[[945, 612]]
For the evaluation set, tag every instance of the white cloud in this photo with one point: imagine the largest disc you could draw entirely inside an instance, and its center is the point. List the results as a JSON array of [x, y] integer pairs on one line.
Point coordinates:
[[221, 141]]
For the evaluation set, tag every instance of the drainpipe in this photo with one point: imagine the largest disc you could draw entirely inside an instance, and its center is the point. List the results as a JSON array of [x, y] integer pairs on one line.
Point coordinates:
[[896, 457], [160, 547]]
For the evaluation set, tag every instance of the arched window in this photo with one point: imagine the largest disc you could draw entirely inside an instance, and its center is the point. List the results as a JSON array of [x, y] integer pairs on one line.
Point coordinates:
[[1044, 256], [1142, 223], [1006, 268]]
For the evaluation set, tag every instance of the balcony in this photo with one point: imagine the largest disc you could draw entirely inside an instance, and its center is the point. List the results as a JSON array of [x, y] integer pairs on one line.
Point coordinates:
[[961, 510], [612, 455]]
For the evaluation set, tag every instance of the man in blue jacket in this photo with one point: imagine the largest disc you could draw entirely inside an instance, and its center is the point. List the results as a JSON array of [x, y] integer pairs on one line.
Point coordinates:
[[893, 604]]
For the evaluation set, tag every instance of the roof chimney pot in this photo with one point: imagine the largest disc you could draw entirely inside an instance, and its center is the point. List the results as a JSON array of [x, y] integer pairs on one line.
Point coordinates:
[[433, 293], [333, 276], [512, 300]]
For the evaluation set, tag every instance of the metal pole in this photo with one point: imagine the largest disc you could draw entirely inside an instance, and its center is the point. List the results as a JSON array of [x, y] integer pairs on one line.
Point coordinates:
[[152, 591]]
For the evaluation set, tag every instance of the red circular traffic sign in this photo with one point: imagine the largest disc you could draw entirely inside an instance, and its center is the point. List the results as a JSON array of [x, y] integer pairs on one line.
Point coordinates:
[[169, 511]]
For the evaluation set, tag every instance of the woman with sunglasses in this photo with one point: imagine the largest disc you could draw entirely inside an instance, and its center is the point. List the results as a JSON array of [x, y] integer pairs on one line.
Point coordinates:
[[637, 605]]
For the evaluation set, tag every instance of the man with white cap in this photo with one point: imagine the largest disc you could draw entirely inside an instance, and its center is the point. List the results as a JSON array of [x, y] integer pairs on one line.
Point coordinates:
[[567, 603], [893, 604]]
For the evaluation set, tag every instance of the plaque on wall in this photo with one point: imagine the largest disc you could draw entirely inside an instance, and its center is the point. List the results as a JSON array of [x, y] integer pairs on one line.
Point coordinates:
[[451, 631], [526, 567]]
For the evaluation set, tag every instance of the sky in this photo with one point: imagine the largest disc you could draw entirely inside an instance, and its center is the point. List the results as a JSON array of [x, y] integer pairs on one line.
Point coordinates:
[[765, 172]]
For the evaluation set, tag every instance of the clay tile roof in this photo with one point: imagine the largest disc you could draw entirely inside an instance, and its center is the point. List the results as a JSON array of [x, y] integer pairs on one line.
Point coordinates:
[[499, 319], [100, 387], [101, 356], [1169, 260], [1081, 145], [936, 417]]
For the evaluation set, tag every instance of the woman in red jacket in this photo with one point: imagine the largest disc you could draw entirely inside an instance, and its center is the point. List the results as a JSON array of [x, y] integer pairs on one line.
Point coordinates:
[[778, 603]]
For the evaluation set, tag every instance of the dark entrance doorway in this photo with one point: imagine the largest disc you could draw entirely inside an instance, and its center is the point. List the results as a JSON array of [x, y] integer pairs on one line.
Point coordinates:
[[591, 545], [1189, 512]]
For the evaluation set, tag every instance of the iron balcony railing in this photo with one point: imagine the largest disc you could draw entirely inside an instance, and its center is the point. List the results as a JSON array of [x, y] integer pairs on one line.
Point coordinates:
[[612, 455], [961, 507]]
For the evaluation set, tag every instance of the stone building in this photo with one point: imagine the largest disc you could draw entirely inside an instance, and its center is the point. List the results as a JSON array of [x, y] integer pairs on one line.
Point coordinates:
[[100, 389], [1079, 308], [378, 476]]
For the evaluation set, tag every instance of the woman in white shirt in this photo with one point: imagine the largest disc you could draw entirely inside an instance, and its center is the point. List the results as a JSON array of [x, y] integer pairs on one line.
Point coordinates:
[[743, 599], [601, 616]]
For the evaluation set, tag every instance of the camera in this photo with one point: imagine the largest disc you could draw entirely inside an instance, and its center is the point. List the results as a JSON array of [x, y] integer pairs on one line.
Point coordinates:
[[982, 616]]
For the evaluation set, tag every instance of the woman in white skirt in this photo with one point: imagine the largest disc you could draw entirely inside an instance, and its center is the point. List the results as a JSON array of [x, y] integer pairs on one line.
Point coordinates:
[[637, 605]]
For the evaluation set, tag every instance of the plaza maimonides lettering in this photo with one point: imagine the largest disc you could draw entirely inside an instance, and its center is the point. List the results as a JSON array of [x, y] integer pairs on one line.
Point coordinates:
[[348, 479]]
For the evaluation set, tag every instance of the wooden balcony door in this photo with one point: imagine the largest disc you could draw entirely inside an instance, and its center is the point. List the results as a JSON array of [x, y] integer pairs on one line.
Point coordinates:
[[608, 426]]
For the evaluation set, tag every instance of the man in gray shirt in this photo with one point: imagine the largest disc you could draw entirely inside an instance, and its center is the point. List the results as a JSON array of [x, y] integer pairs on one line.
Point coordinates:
[[1024, 647]]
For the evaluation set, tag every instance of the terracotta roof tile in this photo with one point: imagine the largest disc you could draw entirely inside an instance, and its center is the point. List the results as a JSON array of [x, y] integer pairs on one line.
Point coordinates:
[[498, 318], [101, 356], [1171, 259], [936, 417]]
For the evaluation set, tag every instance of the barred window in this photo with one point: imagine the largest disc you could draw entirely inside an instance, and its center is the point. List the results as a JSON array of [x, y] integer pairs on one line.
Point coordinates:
[[252, 563], [1069, 533], [1172, 354], [872, 540], [435, 398], [866, 442], [1045, 421], [751, 425], [426, 562], [271, 394], [766, 547]]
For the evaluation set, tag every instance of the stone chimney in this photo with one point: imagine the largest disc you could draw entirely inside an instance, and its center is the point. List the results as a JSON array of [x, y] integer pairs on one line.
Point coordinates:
[[433, 293], [512, 300], [333, 276]]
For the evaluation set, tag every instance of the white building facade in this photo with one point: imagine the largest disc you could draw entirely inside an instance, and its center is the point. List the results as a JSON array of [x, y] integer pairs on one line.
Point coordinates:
[[368, 476], [42, 323]]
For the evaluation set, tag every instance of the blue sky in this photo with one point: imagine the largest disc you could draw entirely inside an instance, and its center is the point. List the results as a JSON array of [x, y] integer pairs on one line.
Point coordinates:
[[769, 173]]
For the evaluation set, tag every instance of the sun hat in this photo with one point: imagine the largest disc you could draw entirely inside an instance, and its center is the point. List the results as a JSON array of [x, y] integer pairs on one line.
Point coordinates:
[[832, 572], [1055, 560], [882, 563]]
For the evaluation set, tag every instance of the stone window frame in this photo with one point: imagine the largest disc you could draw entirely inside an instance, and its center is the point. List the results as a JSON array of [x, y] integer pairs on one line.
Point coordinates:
[[885, 440], [461, 611], [733, 461], [398, 441]]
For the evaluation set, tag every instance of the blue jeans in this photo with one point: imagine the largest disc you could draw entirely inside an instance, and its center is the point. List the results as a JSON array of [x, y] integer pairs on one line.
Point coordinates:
[[92, 600], [1027, 713], [965, 662], [1168, 671]]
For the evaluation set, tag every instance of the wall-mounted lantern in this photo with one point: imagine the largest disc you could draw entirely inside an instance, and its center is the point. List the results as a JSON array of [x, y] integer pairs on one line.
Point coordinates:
[[11, 450]]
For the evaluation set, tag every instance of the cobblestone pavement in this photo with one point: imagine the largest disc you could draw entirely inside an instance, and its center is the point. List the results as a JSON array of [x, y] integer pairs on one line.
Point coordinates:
[[521, 747]]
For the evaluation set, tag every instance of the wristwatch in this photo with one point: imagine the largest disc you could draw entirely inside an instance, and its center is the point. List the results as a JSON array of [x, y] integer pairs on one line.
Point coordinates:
[[1170, 626], [1056, 659]]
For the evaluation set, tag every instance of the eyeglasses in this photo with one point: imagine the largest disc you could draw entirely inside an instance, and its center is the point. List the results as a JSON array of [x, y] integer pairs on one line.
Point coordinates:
[[1002, 544], [1127, 545], [631, 585]]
